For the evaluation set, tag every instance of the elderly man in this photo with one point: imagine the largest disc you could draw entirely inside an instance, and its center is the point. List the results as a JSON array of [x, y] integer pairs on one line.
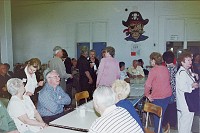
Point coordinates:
[[3, 80], [113, 119], [57, 64], [52, 98], [135, 71]]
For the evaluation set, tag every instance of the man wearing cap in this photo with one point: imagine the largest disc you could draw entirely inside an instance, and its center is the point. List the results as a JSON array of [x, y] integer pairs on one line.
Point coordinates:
[[57, 64]]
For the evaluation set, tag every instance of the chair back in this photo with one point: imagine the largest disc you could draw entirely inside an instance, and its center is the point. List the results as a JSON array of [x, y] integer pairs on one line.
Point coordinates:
[[167, 128], [81, 95], [152, 108]]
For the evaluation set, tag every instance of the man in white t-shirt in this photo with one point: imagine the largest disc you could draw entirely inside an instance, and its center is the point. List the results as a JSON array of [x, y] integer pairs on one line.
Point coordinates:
[[123, 73]]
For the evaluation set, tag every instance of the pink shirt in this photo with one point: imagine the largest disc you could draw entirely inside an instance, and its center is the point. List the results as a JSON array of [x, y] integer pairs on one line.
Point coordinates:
[[108, 71], [159, 80]]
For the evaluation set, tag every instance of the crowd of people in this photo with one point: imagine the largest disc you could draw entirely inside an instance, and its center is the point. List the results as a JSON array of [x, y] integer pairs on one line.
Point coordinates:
[[34, 102]]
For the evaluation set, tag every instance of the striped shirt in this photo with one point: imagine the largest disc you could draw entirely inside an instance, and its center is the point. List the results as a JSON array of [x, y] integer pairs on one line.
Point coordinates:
[[115, 120]]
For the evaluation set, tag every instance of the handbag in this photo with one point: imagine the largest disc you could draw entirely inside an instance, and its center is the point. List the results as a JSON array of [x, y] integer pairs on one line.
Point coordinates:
[[192, 100]]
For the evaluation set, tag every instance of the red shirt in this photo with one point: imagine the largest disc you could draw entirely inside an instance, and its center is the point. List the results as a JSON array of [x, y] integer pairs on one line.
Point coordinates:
[[159, 81]]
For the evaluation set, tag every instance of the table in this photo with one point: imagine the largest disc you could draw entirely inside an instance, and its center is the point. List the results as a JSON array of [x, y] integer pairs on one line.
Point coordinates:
[[137, 87], [73, 119]]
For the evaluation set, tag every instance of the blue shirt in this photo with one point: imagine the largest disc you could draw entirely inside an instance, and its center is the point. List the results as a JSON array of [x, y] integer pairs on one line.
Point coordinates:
[[51, 102], [126, 104]]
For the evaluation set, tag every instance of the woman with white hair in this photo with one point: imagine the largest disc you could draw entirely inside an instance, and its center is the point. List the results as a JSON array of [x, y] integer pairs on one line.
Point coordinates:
[[122, 90], [22, 110]]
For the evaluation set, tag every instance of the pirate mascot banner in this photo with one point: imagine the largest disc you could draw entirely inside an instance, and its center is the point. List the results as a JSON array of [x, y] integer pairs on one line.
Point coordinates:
[[135, 24]]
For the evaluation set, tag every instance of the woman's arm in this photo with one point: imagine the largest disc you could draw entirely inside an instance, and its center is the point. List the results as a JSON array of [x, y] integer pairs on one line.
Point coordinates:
[[100, 71], [37, 116], [148, 83], [24, 118]]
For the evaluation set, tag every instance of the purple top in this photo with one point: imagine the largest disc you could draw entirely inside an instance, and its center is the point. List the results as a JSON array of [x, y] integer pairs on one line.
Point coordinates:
[[108, 71]]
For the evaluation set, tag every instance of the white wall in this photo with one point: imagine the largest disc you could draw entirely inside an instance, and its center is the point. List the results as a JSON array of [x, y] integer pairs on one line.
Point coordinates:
[[6, 52], [37, 28]]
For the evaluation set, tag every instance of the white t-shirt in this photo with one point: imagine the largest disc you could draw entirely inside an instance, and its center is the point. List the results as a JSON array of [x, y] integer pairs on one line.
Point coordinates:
[[18, 107], [123, 75]]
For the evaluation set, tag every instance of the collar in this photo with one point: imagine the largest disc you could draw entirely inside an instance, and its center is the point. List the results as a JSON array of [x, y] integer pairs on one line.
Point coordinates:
[[50, 88], [109, 109]]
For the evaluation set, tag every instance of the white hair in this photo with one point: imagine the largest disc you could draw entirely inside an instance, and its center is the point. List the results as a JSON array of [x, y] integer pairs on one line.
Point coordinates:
[[104, 96], [13, 85], [121, 87], [48, 75]]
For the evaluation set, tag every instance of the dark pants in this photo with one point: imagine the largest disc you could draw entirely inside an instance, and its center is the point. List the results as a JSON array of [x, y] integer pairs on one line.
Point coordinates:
[[163, 103], [170, 115], [48, 119], [84, 85]]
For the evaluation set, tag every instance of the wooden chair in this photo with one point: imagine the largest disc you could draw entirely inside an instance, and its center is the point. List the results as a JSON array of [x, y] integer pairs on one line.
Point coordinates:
[[81, 95], [152, 108], [167, 128]]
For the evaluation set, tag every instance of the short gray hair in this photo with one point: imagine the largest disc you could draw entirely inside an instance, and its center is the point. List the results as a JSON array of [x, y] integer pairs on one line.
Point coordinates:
[[104, 96], [121, 87], [13, 85], [56, 49], [48, 74]]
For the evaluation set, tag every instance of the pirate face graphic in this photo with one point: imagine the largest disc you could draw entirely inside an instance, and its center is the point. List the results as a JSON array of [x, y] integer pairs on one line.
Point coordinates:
[[136, 29], [135, 25]]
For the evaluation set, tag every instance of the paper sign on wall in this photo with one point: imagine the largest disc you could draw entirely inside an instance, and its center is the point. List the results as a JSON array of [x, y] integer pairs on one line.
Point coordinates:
[[135, 50]]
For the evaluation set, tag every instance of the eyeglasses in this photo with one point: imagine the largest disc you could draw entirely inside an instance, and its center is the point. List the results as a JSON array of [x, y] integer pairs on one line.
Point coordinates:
[[55, 77]]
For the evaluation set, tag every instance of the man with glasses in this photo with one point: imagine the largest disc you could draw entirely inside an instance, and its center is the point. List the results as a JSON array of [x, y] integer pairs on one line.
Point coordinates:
[[52, 98]]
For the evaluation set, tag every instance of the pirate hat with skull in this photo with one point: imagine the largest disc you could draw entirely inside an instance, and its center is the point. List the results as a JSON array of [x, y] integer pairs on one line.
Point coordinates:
[[135, 17]]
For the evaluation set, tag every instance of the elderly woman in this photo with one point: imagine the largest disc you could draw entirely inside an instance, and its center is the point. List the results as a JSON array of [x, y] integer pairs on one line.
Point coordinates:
[[157, 86], [28, 76], [113, 119], [122, 90], [22, 110], [185, 83], [108, 70]]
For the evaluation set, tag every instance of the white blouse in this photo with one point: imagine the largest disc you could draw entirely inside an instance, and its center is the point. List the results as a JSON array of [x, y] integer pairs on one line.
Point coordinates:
[[17, 108], [31, 82]]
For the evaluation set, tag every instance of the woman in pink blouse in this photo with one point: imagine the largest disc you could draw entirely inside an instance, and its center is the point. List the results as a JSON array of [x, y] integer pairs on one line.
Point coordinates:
[[108, 70], [157, 86]]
